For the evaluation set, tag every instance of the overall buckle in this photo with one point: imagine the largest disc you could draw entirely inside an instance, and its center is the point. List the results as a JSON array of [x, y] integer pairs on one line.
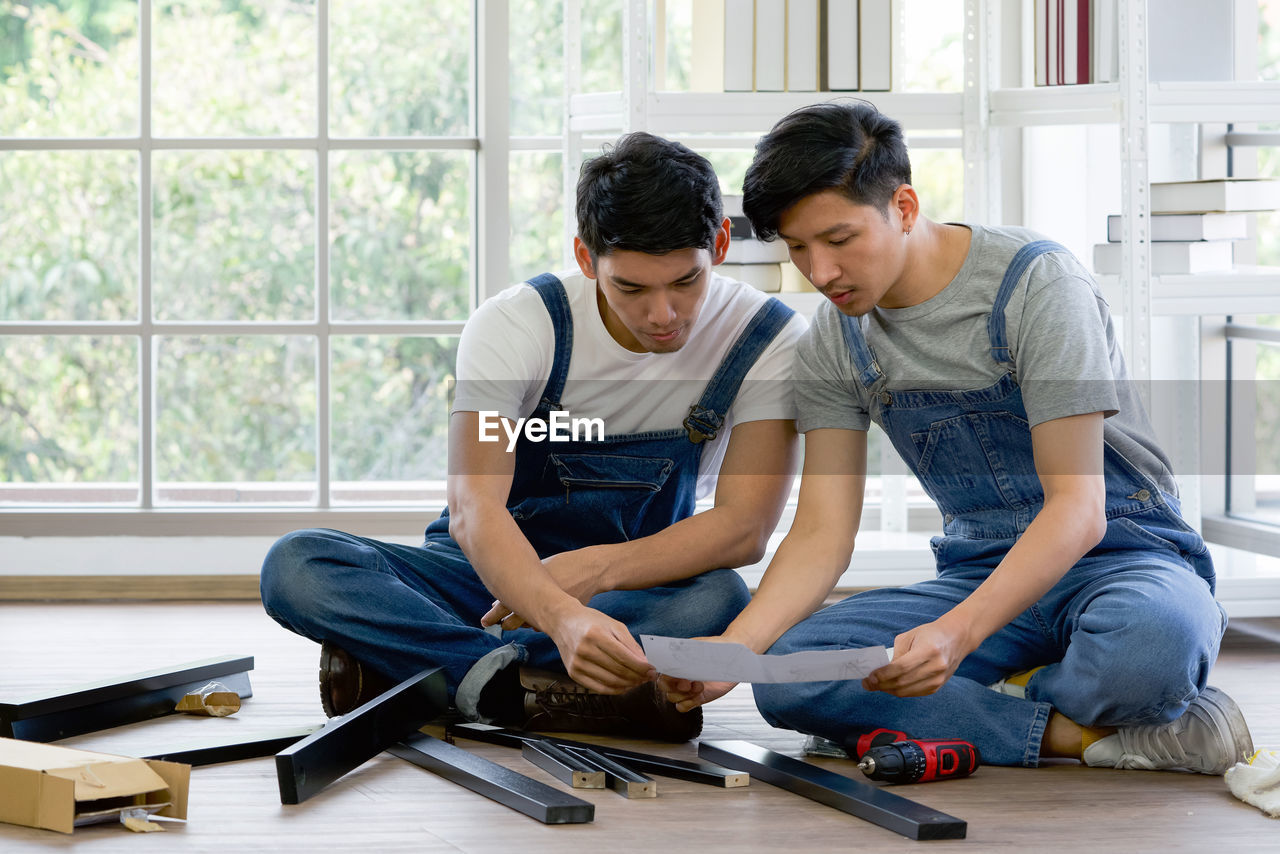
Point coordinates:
[[702, 424]]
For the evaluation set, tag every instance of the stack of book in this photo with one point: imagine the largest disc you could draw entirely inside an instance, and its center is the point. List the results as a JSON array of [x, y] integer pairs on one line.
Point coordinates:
[[1193, 224], [801, 45], [750, 259]]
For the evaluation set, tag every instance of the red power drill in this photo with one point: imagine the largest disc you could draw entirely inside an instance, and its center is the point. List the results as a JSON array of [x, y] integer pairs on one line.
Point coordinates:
[[895, 758]]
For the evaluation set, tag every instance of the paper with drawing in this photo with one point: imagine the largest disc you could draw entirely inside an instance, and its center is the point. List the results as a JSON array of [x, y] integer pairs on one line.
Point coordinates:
[[711, 661]]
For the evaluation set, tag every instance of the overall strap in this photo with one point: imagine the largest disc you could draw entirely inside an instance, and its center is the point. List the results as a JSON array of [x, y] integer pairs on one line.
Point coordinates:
[[707, 415], [864, 360], [1017, 267], [556, 300]]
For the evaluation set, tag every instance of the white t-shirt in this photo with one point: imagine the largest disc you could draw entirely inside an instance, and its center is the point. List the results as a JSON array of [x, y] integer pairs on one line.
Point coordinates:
[[507, 350]]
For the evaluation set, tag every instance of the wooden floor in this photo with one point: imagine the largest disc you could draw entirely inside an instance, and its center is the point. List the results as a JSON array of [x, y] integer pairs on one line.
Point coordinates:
[[389, 805]]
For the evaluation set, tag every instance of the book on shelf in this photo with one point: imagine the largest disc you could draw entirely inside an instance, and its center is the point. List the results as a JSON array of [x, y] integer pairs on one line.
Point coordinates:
[[739, 36], [771, 45], [1104, 46], [840, 46], [1202, 256], [803, 45], [875, 45], [796, 45], [749, 250], [707, 63], [794, 282], [1215, 195], [1188, 227], [1066, 41], [764, 277]]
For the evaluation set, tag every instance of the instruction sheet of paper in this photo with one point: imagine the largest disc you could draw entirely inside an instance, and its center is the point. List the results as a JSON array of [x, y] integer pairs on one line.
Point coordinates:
[[712, 661]]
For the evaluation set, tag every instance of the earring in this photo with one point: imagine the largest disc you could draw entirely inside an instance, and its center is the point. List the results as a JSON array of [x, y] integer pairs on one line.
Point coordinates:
[[905, 232]]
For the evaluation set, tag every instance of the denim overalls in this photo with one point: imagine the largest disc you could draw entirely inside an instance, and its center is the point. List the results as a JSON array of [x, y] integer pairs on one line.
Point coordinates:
[[402, 608], [1129, 633]]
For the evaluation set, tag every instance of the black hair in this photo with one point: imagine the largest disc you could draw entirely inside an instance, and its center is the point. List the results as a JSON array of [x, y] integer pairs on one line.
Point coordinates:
[[648, 194], [846, 146]]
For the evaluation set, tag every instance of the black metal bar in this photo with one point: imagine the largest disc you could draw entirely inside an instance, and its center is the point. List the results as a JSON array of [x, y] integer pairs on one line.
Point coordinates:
[[563, 765], [264, 744], [620, 778], [646, 763], [890, 811], [537, 800], [117, 700], [348, 741]]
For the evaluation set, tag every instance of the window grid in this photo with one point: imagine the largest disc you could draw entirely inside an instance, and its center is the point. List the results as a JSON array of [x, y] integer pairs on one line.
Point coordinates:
[[490, 148]]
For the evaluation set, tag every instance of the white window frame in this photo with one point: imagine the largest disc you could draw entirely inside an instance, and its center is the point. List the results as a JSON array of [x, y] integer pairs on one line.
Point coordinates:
[[488, 274]]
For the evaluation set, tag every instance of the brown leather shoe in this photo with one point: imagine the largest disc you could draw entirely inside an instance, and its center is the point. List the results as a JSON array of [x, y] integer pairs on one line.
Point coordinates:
[[554, 702], [345, 683]]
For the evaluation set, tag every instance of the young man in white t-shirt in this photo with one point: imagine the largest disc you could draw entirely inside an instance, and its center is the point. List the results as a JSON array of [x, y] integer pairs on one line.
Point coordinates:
[[592, 409]]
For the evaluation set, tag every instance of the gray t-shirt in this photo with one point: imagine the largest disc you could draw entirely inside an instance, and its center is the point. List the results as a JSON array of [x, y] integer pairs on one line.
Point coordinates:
[[1066, 357]]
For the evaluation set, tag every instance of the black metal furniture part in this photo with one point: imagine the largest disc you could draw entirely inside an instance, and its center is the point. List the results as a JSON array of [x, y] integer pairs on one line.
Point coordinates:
[[118, 700], [263, 744], [522, 794], [348, 741], [646, 763], [564, 766], [620, 778], [890, 811]]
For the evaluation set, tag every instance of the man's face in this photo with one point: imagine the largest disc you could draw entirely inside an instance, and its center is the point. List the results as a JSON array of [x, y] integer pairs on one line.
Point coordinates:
[[849, 252], [650, 303]]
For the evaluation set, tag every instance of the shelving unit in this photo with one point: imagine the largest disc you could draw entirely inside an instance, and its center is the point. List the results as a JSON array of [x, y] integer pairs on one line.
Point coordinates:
[[982, 114]]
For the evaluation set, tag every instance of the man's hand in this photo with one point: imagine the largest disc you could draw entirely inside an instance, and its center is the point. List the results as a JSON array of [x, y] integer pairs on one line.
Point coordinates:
[[600, 653], [580, 573], [687, 694], [923, 660]]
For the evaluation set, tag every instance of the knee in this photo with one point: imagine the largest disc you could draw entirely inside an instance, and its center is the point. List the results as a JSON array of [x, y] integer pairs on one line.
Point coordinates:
[[288, 569], [718, 597], [775, 703]]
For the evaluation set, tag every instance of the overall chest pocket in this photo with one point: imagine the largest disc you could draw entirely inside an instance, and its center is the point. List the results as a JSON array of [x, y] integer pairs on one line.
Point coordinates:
[[599, 498], [978, 461], [593, 472]]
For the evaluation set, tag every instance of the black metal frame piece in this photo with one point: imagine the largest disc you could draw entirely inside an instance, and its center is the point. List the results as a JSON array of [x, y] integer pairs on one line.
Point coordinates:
[[563, 765], [348, 741], [646, 763], [117, 700], [620, 778], [523, 794], [263, 744], [890, 811]]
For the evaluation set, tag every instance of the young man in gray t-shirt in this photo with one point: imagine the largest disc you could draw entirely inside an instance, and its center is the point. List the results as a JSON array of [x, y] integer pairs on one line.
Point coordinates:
[[1073, 611]]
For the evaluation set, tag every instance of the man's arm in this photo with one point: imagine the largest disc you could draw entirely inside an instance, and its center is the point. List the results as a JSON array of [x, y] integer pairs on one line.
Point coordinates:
[[597, 650], [751, 490], [1068, 460], [811, 558]]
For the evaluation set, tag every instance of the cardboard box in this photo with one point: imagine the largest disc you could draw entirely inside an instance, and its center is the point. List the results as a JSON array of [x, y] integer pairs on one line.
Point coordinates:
[[60, 788]]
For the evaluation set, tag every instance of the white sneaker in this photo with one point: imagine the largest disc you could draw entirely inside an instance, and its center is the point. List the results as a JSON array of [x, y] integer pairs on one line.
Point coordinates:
[[1210, 737]]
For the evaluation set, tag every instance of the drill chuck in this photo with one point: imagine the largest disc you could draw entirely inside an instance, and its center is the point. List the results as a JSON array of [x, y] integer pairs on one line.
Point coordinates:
[[911, 761]]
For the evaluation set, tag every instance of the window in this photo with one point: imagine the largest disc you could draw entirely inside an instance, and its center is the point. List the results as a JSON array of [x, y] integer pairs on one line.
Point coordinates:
[[240, 241], [1253, 342], [242, 236]]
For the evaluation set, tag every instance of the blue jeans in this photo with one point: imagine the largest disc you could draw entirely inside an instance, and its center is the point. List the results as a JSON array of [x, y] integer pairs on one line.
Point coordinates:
[[400, 609], [1127, 637]]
